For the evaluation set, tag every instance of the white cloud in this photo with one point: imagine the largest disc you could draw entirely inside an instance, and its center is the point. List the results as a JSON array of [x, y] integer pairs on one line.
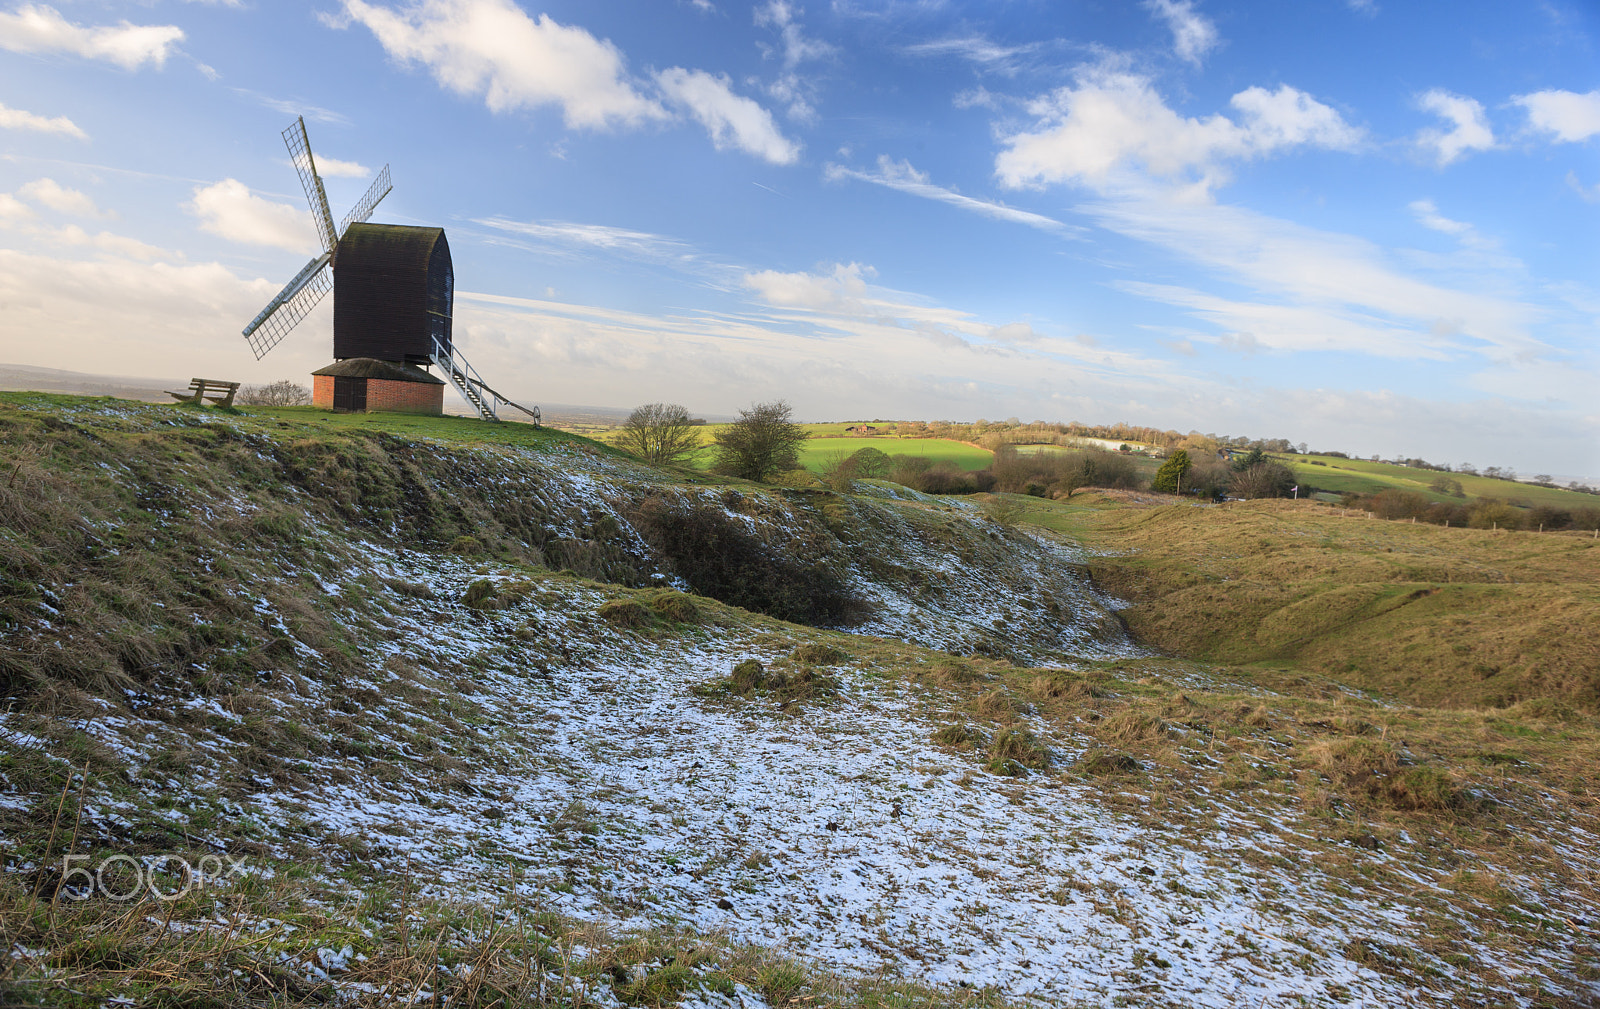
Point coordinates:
[[1570, 116], [13, 210], [730, 119], [131, 315], [1469, 126], [1192, 34], [900, 175], [17, 119], [1428, 216], [334, 168], [37, 28], [1110, 121], [842, 291], [493, 48], [229, 209], [50, 193], [1287, 117]]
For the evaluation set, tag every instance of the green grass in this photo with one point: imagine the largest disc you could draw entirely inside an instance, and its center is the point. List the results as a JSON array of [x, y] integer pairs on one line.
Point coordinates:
[[819, 450], [1363, 477]]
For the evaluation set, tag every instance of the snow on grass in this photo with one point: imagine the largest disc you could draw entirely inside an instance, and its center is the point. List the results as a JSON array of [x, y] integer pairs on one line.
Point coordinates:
[[626, 798]]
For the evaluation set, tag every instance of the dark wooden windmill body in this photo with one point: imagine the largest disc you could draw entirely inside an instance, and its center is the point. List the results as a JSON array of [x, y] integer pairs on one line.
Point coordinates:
[[393, 295]]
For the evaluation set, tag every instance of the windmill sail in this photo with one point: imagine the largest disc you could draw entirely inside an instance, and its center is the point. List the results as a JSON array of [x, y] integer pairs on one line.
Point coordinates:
[[363, 210], [300, 153], [289, 306], [313, 282]]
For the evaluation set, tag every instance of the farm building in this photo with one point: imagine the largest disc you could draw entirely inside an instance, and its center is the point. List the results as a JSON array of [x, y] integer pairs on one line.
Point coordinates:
[[366, 384]]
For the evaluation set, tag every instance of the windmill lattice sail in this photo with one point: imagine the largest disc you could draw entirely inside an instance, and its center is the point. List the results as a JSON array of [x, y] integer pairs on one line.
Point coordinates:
[[291, 304], [300, 153], [300, 295], [363, 210]]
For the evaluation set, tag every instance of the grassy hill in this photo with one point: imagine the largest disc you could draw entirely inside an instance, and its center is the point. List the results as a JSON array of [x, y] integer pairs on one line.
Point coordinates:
[[483, 715], [1445, 617], [1339, 475]]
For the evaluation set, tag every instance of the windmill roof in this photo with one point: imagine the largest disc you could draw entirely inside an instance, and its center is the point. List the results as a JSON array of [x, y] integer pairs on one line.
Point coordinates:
[[371, 367], [391, 242]]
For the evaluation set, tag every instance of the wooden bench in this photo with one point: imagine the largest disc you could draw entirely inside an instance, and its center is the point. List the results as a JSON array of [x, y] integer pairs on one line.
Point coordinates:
[[203, 388]]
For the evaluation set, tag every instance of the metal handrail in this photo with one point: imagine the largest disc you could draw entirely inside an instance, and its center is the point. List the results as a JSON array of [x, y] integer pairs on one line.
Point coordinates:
[[467, 373]]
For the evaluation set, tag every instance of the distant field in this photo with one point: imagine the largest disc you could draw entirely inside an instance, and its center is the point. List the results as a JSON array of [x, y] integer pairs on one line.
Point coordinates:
[[1358, 475], [818, 450]]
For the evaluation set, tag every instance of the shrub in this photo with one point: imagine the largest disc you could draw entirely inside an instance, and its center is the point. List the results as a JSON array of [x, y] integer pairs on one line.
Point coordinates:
[[761, 442], [1546, 517], [1490, 513], [280, 393], [1169, 477], [660, 433], [721, 557], [1263, 480], [870, 464], [1445, 485], [1398, 504]]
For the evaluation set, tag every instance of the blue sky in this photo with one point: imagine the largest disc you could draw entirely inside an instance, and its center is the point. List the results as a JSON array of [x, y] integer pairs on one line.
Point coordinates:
[[1361, 224]]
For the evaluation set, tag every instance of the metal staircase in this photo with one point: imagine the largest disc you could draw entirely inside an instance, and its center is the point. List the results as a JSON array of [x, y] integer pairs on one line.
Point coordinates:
[[464, 377]]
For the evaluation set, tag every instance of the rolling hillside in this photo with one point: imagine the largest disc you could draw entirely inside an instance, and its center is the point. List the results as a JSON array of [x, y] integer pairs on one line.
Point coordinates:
[[490, 715]]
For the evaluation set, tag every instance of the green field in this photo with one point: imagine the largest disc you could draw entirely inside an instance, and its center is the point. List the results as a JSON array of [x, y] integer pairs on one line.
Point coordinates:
[[1360, 476], [819, 450]]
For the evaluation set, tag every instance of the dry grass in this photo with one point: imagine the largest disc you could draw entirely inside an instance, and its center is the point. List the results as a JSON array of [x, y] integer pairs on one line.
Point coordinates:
[[1443, 616]]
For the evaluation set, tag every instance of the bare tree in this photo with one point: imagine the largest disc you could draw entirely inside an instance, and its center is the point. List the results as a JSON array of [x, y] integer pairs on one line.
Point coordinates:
[[283, 392], [660, 433], [763, 441]]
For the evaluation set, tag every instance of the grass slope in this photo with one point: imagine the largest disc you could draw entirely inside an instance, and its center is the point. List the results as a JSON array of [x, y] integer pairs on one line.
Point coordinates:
[[1454, 617], [1339, 476], [455, 774]]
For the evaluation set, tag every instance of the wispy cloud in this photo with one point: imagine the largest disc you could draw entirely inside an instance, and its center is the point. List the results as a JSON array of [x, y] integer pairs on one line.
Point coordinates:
[[296, 107], [1316, 289], [901, 176], [38, 28], [795, 48], [976, 49]]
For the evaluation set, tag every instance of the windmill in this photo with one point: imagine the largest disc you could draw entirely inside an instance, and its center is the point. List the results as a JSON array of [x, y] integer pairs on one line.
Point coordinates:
[[393, 291]]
